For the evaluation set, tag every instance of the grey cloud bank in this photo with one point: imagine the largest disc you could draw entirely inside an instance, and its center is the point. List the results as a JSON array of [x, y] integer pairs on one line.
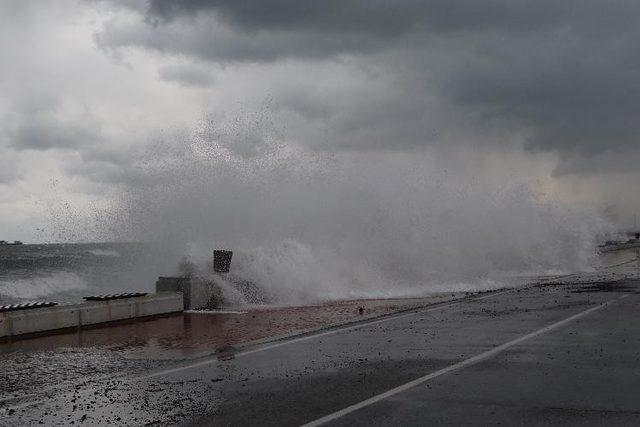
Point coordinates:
[[188, 76], [110, 92], [555, 75]]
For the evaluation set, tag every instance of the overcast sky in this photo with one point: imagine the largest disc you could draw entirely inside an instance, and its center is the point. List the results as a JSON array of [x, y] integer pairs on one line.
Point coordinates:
[[89, 90]]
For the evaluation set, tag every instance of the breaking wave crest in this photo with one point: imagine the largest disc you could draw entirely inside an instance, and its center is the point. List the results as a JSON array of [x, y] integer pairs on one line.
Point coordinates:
[[307, 226], [104, 252], [34, 287]]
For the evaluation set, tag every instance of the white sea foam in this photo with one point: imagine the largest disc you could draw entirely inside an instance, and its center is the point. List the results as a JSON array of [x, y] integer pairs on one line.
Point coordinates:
[[306, 226], [39, 287], [104, 252]]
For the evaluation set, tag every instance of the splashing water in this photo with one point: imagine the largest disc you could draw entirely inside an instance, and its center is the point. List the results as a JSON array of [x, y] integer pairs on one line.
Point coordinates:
[[38, 287], [308, 226]]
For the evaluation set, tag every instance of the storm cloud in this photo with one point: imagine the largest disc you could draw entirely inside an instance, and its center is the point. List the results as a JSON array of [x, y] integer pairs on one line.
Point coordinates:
[[95, 91], [188, 76], [561, 76]]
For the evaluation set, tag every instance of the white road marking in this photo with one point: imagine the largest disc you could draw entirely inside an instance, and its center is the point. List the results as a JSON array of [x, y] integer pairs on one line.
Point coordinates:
[[214, 312], [322, 334], [214, 360], [293, 341], [457, 366]]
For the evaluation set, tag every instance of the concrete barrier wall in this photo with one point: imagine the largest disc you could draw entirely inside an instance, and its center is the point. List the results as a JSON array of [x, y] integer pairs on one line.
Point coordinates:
[[106, 311], [176, 284], [42, 319], [160, 304], [89, 313], [198, 293]]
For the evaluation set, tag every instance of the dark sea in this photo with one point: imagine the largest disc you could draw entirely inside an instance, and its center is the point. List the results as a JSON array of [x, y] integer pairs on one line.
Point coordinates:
[[67, 272]]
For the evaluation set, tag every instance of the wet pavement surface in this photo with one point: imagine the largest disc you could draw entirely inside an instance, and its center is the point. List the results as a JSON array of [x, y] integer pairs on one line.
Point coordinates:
[[582, 370], [89, 355]]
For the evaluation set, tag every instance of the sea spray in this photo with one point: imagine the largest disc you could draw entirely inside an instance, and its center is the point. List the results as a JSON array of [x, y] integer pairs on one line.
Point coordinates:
[[34, 287], [308, 226], [66, 272]]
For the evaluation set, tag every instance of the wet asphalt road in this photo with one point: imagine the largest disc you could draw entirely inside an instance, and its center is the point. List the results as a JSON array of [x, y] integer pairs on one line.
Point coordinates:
[[584, 369]]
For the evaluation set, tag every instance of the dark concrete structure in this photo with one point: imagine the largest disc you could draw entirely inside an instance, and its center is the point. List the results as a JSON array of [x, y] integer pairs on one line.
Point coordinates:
[[176, 284], [222, 261], [198, 293]]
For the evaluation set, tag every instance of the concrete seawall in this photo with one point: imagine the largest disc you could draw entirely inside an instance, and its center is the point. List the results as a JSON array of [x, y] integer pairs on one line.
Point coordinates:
[[21, 322], [197, 293]]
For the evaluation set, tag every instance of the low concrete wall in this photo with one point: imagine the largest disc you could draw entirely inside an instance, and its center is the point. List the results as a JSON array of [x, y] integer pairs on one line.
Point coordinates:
[[176, 284], [197, 293], [41, 319], [89, 313]]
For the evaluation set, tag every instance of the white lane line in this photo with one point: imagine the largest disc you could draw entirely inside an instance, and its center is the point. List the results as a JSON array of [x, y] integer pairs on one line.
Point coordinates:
[[321, 334], [293, 341], [457, 366], [214, 312], [278, 344]]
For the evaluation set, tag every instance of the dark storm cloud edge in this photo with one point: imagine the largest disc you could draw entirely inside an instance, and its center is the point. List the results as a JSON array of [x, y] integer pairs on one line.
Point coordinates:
[[186, 76], [563, 73], [386, 19]]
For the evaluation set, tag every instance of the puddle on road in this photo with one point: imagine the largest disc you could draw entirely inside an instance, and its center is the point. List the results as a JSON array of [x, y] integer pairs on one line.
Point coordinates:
[[129, 347]]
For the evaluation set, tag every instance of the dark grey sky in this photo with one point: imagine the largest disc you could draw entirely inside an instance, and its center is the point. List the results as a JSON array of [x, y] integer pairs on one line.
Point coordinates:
[[88, 88], [563, 73]]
